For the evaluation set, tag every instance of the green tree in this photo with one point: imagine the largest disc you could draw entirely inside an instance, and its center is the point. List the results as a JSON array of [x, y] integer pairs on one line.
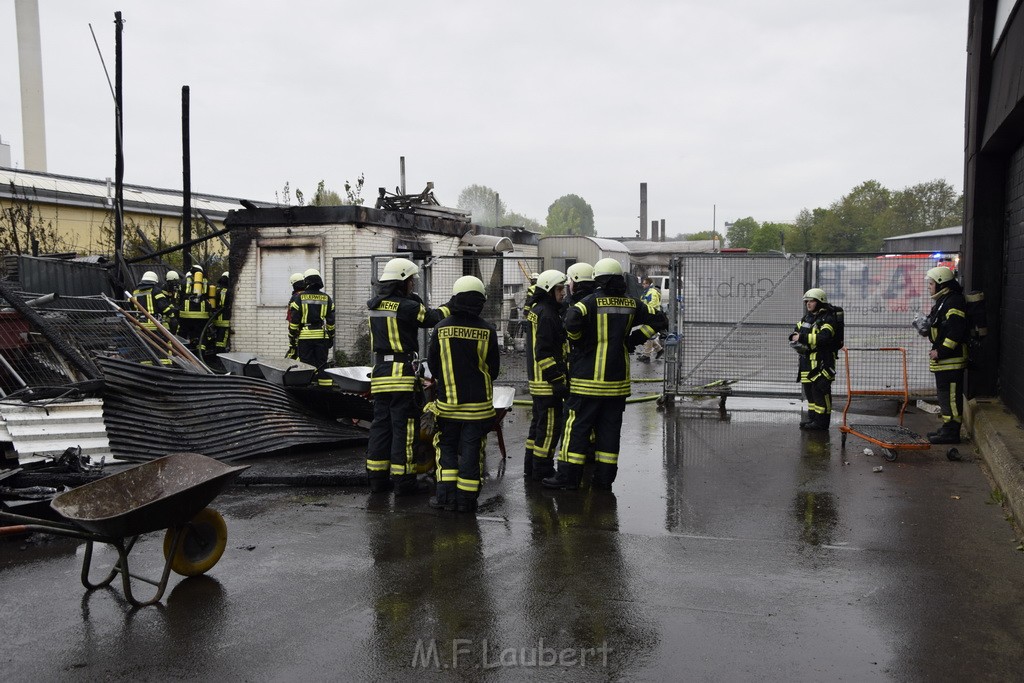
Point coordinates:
[[695, 236], [741, 233], [324, 196], [481, 201], [769, 236], [354, 192], [570, 215]]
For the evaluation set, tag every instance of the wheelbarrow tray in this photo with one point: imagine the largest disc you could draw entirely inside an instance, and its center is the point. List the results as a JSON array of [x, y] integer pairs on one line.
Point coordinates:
[[286, 372], [241, 363], [354, 379], [156, 495]]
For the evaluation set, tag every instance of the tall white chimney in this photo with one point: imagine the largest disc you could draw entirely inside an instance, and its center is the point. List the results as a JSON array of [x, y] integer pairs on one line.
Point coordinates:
[[30, 66]]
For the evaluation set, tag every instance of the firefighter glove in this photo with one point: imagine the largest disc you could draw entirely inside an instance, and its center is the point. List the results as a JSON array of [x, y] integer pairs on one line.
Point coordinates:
[[635, 339], [560, 390]]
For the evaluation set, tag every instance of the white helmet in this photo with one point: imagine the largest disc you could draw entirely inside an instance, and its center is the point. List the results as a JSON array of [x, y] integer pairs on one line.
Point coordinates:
[[398, 269], [172, 276], [607, 266], [149, 276], [580, 272], [816, 294], [940, 274], [468, 283], [311, 273], [533, 277], [296, 277], [550, 279]]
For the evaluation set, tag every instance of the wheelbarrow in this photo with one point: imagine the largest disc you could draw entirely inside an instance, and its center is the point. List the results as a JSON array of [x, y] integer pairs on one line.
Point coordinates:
[[169, 493]]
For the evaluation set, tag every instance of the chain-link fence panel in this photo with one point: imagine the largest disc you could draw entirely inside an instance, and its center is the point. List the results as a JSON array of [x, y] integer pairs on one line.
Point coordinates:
[[880, 294], [84, 326], [730, 321], [732, 315]]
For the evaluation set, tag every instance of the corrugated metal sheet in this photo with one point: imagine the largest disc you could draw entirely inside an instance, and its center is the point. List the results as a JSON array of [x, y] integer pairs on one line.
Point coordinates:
[[37, 431], [151, 411]]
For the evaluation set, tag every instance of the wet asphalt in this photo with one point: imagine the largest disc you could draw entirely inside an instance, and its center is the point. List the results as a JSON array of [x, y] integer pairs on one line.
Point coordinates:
[[734, 547]]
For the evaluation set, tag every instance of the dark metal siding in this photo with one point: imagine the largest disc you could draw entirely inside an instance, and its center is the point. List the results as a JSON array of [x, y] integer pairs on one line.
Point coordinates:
[[1011, 370]]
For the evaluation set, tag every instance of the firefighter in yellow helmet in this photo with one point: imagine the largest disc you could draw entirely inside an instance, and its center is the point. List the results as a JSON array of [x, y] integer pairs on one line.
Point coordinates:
[[464, 361], [815, 339], [396, 315], [547, 374], [311, 325], [599, 381], [948, 332], [153, 299]]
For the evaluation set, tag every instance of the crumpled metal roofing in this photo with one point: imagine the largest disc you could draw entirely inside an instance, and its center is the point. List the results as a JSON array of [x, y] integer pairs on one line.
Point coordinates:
[[151, 411]]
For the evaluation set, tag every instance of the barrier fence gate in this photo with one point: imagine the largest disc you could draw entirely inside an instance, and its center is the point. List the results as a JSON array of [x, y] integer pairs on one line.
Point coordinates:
[[730, 317]]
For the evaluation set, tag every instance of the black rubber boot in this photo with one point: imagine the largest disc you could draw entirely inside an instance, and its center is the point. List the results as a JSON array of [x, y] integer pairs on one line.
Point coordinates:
[[819, 423], [408, 485], [542, 468], [380, 485], [566, 479], [949, 434]]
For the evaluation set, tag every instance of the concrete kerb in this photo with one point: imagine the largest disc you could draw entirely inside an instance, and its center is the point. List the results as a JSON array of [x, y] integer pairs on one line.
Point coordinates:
[[999, 438]]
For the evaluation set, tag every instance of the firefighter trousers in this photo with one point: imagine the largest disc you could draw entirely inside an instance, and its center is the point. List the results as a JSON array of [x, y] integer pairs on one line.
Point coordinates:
[[459, 446], [315, 352], [546, 428], [818, 393], [601, 416], [392, 439], [949, 388]]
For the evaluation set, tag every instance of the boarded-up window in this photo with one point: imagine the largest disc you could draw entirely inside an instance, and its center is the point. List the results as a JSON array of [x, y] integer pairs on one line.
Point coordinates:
[[277, 260]]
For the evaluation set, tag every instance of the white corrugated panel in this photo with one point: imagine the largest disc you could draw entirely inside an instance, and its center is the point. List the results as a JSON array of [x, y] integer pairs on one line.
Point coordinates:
[[44, 432]]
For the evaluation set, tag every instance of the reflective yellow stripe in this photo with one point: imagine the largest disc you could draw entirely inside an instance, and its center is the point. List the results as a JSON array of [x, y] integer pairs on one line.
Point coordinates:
[[570, 421], [468, 484], [377, 465], [393, 337], [451, 389], [949, 343], [602, 346], [606, 457]]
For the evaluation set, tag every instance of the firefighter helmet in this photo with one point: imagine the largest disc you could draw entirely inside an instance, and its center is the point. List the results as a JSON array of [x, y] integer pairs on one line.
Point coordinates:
[[172, 276], [312, 272], [816, 294], [550, 279], [940, 275], [225, 274], [607, 266], [398, 269], [197, 267], [533, 278], [149, 276], [468, 283], [295, 277], [580, 272]]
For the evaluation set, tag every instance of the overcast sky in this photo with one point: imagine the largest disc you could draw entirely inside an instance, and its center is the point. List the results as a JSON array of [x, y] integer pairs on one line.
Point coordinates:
[[759, 108]]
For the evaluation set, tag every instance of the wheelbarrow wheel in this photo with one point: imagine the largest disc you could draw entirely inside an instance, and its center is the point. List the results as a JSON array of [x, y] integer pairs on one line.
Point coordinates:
[[201, 546]]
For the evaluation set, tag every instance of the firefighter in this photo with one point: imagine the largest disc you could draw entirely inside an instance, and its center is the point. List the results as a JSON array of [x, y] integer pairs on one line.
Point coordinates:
[[947, 331], [463, 358], [298, 283], [580, 280], [528, 301], [153, 299], [815, 340], [172, 289], [195, 309], [222, 313], [652, 348], [601, 325], [311, 325], [547, 374], [396, 314]]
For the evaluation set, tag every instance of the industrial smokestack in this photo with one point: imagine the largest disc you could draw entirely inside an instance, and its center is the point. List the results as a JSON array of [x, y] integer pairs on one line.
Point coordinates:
[[643, 211], [30, 67]]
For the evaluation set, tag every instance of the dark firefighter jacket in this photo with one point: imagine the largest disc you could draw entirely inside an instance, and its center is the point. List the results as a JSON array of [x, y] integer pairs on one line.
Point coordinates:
[[224, 300], [817, 332], [312, 316], [394, 320], [464, 361], [545, 352], [948, 329], [154, 301], [600, 326]]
